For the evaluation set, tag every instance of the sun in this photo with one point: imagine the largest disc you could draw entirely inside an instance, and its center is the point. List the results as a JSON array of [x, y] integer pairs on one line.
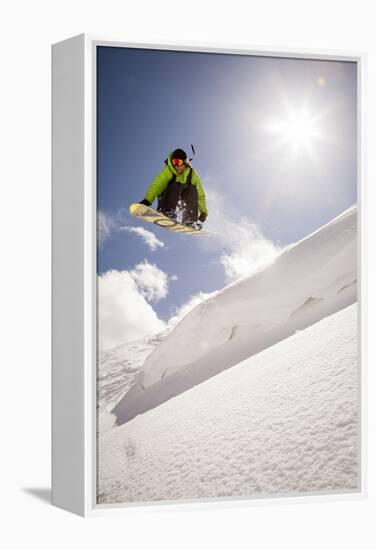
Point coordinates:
[[299, 130]]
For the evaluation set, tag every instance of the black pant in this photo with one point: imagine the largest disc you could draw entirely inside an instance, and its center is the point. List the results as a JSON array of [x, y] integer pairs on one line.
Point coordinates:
[[183, 195]]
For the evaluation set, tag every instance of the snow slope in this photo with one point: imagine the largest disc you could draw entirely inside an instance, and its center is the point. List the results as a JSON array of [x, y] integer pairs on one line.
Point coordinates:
[[282, 421], [307, 282], [121, 367]]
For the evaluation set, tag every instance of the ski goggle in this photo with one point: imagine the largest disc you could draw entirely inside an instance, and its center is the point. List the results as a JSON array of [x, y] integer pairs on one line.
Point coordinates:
[[177, 162]]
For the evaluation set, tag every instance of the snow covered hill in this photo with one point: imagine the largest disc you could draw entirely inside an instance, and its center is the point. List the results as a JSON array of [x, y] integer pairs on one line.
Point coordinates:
[[283, 421], [307, 282], [121, 367]]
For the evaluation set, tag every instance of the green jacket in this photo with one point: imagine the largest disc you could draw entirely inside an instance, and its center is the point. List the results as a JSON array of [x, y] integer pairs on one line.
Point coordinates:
[[161, 181]]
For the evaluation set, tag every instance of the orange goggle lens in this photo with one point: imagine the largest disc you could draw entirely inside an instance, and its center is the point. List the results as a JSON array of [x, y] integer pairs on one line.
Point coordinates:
[[177, 162]]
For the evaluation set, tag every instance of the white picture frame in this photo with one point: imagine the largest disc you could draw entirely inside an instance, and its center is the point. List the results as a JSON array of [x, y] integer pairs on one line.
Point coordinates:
[[74, 385]]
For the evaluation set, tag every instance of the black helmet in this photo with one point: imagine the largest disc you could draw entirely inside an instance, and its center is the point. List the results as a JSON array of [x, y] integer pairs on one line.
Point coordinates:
[[179, 154]]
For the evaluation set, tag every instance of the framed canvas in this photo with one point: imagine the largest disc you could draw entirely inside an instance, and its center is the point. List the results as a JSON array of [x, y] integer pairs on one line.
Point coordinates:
[[206, 275]]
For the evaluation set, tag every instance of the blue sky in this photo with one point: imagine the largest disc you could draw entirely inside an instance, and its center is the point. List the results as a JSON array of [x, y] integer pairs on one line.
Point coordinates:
[[275, 144]]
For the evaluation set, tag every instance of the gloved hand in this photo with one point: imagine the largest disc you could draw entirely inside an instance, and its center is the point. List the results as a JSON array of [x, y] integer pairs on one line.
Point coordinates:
[[145, 202], [202, 217]]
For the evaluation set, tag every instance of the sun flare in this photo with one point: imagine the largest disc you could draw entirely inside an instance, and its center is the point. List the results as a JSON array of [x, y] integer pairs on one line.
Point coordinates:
[[298, 130]]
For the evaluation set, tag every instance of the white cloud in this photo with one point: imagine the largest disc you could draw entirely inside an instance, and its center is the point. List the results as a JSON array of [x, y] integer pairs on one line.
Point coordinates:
[[109, 223], [148, 237], [249, 251], [123, 312], [151, 281], [106, 224], [246, 249]]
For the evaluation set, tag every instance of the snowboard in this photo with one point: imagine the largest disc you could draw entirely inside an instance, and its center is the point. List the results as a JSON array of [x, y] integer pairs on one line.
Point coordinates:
[[148, 214]]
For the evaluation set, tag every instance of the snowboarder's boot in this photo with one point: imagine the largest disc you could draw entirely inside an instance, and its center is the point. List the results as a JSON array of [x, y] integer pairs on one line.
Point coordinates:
[[169, 213]]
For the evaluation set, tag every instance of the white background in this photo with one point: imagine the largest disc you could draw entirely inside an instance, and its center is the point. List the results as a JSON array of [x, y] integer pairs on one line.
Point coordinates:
[[27, 31]]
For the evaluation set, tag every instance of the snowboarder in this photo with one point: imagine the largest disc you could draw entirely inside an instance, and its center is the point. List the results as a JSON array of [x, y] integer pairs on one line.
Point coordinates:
[[178, 186]]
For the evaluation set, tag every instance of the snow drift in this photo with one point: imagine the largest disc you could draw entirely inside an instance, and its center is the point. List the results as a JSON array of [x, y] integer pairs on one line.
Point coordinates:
[[282, 422], [307, 282]]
